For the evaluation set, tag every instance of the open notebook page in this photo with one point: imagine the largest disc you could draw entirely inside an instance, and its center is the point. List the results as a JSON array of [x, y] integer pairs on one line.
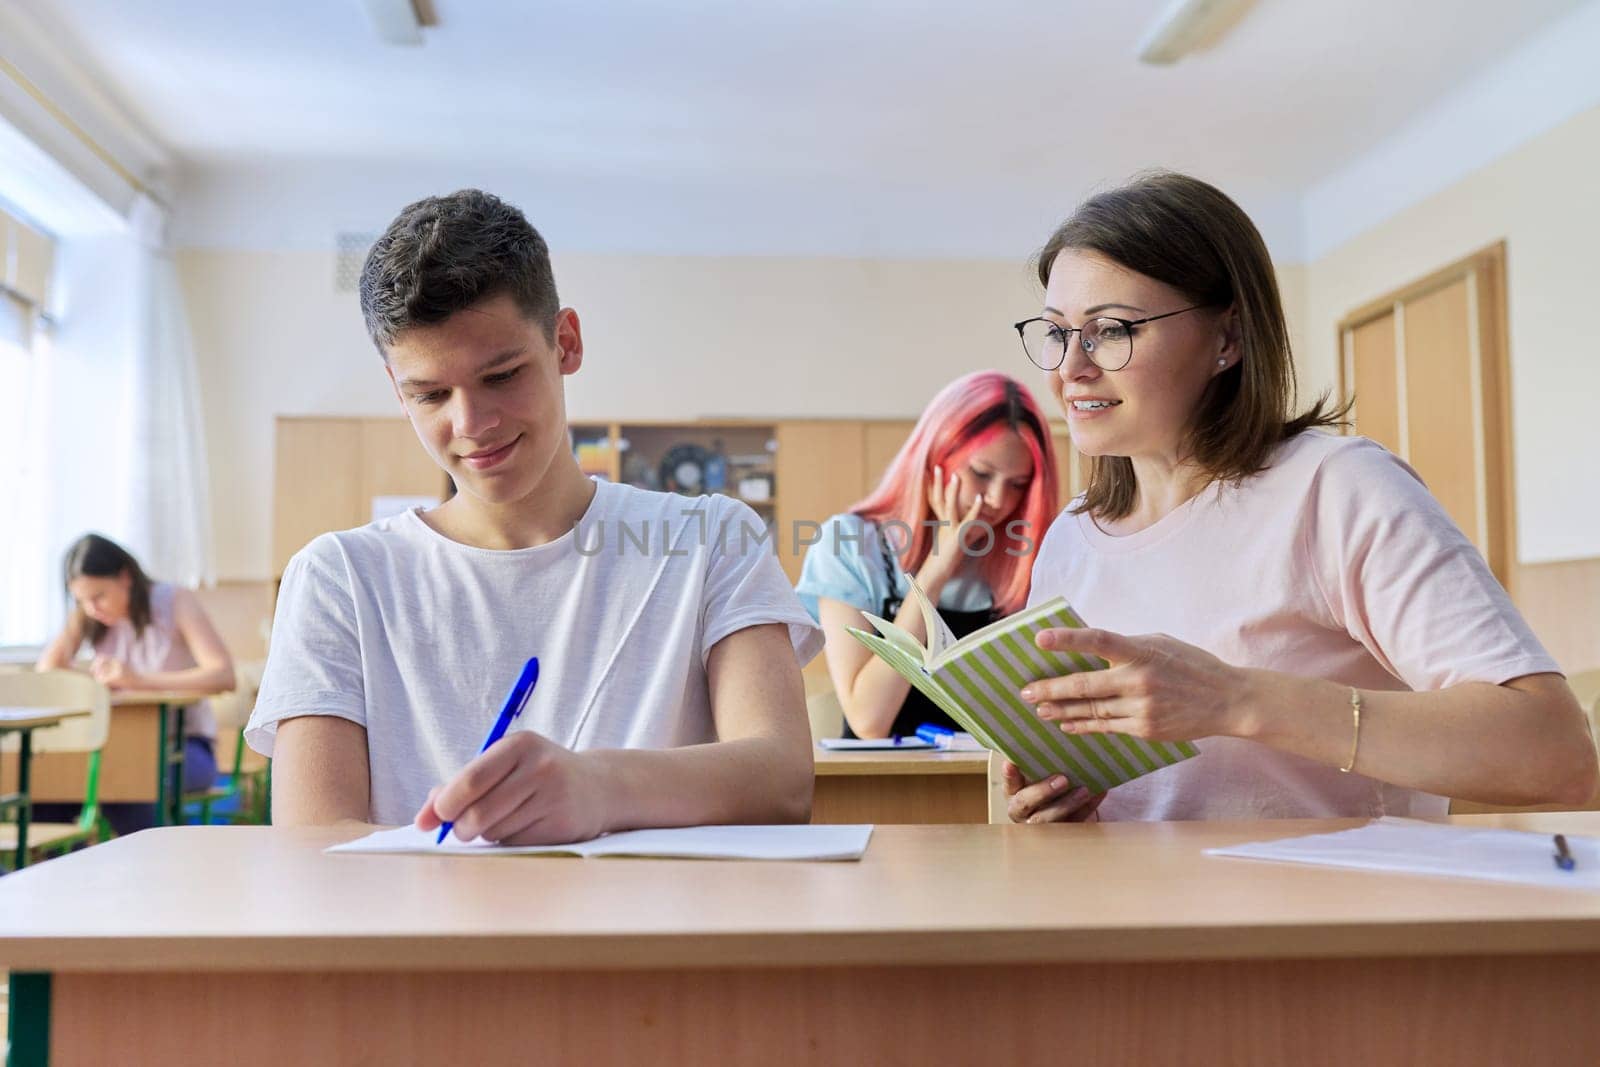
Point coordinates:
[[692, 842]]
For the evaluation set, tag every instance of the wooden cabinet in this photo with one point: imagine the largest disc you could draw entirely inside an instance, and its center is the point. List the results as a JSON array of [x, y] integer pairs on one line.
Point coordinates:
[[880, 441], [794, 472], [327, 470], [821, 471]]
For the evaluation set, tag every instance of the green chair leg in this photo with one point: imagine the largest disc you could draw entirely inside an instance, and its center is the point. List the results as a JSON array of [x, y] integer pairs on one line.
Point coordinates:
[[29, 1020]]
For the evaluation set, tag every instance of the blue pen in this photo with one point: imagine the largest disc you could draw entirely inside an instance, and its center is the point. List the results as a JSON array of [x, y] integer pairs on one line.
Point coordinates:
[[516, 700]]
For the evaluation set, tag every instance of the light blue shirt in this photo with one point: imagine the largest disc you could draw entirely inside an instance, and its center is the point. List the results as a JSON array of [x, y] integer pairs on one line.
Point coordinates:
[[847, 565]]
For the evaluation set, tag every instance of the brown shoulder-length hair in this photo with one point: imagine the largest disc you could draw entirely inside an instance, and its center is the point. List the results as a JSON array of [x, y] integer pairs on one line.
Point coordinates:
[[1190, 235], [93, 556]]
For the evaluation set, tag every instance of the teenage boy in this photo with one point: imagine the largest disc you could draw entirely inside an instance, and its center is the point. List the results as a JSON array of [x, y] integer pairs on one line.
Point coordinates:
[[669, 640]]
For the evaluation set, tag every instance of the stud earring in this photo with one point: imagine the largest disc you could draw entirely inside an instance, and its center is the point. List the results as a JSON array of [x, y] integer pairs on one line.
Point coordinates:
[[1222, 363]]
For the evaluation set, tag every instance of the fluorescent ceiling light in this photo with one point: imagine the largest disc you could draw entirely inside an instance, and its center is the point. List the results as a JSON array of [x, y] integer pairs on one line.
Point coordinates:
[[394, 21], [1188, 25]]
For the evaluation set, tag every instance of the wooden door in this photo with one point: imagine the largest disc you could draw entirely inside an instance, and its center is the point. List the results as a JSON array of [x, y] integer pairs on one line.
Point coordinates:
[[1427, 369]]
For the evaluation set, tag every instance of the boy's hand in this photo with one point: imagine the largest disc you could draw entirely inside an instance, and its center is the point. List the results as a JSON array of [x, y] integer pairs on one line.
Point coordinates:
[[526, 790]]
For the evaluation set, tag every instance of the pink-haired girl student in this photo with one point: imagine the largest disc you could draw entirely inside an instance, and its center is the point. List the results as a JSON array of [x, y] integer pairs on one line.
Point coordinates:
[[960, 509]]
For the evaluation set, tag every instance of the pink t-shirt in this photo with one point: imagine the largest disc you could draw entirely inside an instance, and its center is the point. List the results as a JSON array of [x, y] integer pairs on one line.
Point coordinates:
[[1335, 562], [158, 649]]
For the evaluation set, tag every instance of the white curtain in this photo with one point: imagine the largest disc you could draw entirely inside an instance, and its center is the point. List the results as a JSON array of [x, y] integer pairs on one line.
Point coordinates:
[[105, 430], [169, 488]]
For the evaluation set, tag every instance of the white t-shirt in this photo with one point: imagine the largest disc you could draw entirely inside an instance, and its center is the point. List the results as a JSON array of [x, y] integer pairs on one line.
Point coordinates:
[[1335, 562], [417, 638]]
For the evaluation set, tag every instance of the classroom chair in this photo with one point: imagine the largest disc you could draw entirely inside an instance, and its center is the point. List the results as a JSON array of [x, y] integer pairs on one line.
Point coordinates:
[[997, 790], [239, 796], [1586, 684], [826, 714], [61, 689]]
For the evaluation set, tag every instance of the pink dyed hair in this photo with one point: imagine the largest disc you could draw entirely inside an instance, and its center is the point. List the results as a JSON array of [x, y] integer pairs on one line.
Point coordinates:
[[966, 415]]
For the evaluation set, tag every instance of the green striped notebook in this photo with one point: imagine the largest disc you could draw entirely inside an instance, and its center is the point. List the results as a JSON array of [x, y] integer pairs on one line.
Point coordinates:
[[975, 681]]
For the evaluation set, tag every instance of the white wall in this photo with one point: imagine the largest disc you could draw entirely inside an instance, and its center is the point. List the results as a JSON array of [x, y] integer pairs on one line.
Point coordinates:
[[665, 338], [1541, 199]]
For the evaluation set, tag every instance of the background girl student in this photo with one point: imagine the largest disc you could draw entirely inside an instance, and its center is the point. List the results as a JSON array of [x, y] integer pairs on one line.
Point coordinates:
[[961, 507], [144, 635], [1295, 602]]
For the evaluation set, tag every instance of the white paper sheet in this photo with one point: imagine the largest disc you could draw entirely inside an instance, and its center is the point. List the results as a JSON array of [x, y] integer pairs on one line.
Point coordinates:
[[1411, 846], [694, 842]]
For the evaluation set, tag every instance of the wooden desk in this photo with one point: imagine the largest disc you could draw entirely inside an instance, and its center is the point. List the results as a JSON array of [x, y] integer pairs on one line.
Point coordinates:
[[886, 788], [132, 762], [1111, 943]]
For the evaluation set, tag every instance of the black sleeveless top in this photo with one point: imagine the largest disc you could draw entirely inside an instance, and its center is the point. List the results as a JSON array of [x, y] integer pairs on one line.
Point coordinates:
[[918, 709]]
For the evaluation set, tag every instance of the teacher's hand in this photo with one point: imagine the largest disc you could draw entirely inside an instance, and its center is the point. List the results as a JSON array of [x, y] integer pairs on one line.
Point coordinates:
[[1052, 800], [1157, 688], [525, 790]]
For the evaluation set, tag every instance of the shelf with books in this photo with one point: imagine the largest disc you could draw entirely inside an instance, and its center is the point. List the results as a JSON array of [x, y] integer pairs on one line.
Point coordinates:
[[595, 447]]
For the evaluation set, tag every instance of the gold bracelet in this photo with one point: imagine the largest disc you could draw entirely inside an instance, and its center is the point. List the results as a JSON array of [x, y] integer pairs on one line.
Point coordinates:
[[1355, 742]]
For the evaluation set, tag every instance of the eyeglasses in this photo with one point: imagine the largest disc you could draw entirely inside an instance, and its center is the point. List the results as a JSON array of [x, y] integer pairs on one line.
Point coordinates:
[[1108, 342]]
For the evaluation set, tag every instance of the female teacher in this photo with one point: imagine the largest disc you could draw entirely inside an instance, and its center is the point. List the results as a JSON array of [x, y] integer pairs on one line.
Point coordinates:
[[1293, 601]]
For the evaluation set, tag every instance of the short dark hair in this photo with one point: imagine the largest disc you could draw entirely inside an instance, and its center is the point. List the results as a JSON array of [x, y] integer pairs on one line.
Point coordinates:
[[446, 253], [1190, 235]]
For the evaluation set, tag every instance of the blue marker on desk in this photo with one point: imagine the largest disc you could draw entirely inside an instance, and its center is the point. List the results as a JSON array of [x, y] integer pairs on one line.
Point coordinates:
[[516, 700], [1563, 857]]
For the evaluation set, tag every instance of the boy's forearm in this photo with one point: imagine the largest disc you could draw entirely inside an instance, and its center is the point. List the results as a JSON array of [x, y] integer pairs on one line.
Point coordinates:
[[319, 773], [750, 780], [299, 803]]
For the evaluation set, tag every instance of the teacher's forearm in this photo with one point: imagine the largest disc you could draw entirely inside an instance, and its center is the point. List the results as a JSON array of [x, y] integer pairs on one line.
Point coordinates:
[[1525, 742]]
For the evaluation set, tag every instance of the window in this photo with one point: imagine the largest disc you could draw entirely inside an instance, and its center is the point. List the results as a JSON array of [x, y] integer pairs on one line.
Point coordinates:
[[29, 599]]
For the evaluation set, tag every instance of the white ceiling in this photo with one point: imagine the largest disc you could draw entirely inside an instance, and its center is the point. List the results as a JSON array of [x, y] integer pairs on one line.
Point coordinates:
[[959, 108]]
